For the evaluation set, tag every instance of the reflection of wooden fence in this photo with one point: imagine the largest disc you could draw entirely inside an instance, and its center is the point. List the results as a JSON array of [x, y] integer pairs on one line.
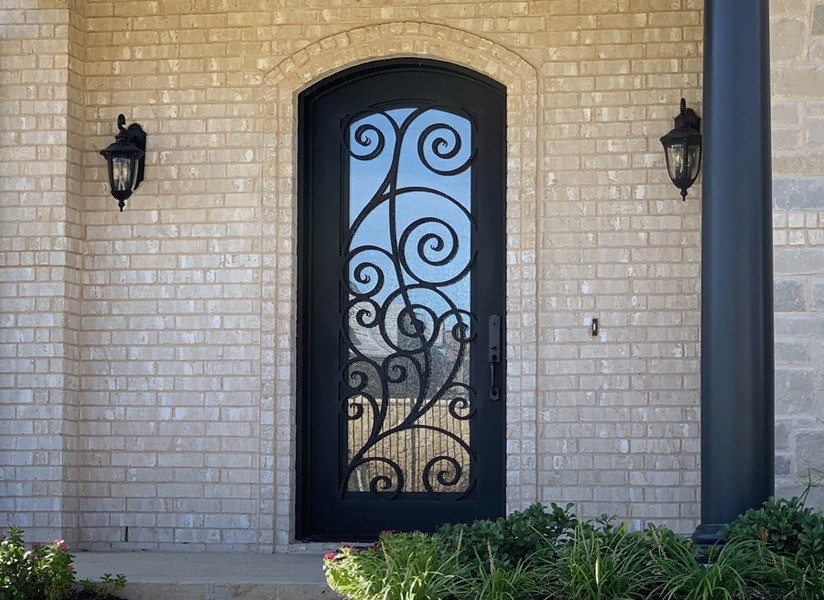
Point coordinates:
[[410, 449]]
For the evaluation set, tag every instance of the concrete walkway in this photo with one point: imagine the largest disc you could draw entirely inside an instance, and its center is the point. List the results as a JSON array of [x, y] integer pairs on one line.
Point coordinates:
[[218, 576]]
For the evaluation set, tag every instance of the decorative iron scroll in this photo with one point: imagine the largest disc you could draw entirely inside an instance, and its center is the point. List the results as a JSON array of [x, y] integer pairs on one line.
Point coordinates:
[[407, 321]]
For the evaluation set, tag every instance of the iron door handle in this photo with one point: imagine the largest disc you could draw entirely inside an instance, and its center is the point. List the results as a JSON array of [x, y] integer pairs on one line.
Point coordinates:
[[494, 355]]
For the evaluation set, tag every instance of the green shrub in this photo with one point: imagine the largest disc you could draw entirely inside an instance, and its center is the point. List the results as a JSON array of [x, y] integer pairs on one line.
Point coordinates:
[[538, 554], [41, 572], [403, 566], [794, 579], [604, 562], [735, 571], [665, 544], [488, 582], [806, 581], [105, 589], [511, 539], [787, 527]]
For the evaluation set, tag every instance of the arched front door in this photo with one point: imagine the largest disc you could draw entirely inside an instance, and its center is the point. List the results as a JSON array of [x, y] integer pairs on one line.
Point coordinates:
[[401, 297]]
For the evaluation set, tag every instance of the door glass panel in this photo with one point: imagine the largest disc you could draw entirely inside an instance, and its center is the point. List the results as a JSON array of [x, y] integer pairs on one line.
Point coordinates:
[[408, 321]]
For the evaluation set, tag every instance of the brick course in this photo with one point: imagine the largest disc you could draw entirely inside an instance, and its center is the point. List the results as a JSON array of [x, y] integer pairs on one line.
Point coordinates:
[[798, 170]]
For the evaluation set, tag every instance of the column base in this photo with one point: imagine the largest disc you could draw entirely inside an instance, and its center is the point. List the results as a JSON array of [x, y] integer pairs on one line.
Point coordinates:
[[708, 534]]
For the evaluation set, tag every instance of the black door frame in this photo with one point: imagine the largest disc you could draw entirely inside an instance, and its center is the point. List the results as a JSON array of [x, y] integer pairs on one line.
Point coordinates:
[[304, 279]]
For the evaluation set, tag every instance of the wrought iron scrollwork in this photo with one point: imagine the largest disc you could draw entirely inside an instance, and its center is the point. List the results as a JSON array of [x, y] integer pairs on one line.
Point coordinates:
[[406, 320]]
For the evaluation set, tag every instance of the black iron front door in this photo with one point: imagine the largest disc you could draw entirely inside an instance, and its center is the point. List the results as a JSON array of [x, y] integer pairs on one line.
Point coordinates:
[[401, 296]]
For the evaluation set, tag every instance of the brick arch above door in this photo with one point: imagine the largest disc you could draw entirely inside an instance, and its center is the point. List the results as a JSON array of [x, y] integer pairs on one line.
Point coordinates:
[[279, 229]]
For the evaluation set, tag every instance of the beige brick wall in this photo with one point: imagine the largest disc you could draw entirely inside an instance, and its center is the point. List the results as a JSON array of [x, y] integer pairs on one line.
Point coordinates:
[[798, 182], [618, 415], [163, 409], [611, 237], [40, 262]]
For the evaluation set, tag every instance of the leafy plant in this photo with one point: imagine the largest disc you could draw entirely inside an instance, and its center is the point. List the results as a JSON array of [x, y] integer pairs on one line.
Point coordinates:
[[403, 566], [511, 539], [601, 562], [108, 587], [735, 571], [787, 527], [806, 581], [488, 582], [665, 544], [795, 579], [43, 571], [537, 554]]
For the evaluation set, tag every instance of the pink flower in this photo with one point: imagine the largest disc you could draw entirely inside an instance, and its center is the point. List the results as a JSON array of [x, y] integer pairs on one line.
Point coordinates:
[[70, 568], [36, 544], [345, 546], [388, 532], [330, 556]]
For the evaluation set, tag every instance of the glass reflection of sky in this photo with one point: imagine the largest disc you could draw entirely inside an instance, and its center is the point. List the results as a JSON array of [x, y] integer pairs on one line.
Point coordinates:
[[366, 178]]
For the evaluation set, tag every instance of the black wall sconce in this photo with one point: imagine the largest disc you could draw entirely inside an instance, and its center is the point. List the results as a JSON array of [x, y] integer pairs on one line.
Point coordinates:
[[125, 160], [682, 147]]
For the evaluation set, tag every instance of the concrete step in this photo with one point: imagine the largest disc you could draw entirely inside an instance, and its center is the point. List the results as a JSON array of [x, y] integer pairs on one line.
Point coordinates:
[[212, 576]]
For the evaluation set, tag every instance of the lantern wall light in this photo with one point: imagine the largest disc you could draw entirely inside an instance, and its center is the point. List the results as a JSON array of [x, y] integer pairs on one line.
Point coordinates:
[[682, 148], [125, 160]]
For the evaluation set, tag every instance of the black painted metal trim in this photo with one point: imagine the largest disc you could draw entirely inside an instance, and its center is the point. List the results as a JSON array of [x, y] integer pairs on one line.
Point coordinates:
[[737, 396]]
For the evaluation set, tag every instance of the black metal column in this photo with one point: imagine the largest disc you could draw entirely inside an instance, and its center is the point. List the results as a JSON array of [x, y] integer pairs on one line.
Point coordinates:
[[737, 462]]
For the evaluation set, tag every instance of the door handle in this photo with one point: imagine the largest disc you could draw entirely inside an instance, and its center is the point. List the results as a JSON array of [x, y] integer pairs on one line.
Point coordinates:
[[494, 355]]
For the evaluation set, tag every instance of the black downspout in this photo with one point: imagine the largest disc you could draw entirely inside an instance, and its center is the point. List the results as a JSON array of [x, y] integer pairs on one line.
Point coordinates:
[[737, 422]]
